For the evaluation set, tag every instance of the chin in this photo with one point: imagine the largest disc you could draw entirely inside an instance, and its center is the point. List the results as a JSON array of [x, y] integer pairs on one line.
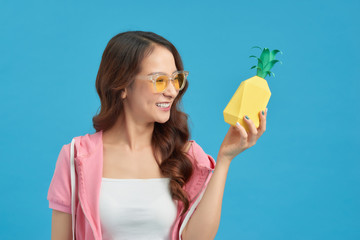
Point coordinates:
[[164, 120]]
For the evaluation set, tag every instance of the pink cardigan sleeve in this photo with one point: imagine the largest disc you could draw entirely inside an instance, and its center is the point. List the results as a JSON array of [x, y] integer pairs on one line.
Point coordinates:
[[59, 193]]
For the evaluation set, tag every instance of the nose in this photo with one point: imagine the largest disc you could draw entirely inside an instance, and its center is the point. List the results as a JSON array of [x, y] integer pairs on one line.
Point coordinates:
[[171, 90]]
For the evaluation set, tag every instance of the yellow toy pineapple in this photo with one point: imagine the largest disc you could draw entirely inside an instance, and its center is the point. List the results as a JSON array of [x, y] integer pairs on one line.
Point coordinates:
[[253, 94]]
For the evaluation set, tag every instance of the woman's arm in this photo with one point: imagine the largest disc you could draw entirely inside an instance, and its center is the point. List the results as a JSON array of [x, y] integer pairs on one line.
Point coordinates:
[[205, 221], [61, 226]]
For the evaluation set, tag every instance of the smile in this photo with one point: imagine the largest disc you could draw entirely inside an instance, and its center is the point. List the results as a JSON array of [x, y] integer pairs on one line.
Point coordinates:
[[163, 105]]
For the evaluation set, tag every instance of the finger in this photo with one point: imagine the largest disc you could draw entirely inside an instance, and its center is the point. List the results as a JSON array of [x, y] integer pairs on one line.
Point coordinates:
[[262, 127], [243, 133], [253, 131]]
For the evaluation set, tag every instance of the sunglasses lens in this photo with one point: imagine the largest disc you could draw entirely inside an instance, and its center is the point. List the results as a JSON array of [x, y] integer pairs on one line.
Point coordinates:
[[161, 83], [179, 80]]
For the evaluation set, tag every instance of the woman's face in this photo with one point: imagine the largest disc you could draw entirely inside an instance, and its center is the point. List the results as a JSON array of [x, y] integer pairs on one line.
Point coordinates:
[[141, 99]]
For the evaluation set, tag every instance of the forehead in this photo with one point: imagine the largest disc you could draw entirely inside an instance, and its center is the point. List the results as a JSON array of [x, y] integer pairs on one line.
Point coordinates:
[[159, 60]]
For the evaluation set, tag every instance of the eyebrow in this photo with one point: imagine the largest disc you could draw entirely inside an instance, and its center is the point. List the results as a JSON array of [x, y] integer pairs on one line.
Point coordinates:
[[161, 73]]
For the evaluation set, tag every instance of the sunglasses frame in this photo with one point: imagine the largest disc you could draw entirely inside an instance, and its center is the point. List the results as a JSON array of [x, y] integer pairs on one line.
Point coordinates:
[[152, 77]]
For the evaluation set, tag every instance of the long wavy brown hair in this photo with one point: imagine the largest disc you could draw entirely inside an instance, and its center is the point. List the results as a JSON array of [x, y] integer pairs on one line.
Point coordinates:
[[120, 63]]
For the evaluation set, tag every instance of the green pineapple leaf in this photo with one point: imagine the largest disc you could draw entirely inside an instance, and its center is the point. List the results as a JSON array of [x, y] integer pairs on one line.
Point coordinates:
[[256, 67], [257, 47], [260, 63], [265, 56], [259, 70], [273, 53], [270, 73], [265, 62], [270, 64]]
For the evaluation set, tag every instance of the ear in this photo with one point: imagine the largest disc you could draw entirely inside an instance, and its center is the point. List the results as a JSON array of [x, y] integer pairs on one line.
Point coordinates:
[[124, 93]]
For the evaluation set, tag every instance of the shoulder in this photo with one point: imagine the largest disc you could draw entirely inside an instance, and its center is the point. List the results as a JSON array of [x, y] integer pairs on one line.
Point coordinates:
[[187, 146], [87, 143], [59, 189], [199, 156]]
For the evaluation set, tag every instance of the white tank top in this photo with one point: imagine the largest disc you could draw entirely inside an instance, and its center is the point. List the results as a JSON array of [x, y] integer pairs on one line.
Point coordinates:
[[136, 209]]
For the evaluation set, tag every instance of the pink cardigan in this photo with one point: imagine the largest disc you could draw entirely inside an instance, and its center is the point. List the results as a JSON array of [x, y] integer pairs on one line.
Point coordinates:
[[88, 165]]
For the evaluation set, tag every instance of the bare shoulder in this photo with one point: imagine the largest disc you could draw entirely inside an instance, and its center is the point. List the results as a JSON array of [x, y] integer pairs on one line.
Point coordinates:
[[187, 146]]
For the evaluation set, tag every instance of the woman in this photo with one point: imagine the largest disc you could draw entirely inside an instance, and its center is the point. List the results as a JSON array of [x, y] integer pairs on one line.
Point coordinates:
[[139, 176]]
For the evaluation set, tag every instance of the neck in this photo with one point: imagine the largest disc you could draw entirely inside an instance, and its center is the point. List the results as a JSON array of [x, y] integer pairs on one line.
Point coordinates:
[[130, 134]]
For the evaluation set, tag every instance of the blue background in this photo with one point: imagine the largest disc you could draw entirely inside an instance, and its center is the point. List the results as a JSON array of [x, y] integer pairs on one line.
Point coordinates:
[[300, 181]]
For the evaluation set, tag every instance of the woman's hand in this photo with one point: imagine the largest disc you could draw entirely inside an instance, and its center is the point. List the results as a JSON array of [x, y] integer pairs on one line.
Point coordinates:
[[238, 140]]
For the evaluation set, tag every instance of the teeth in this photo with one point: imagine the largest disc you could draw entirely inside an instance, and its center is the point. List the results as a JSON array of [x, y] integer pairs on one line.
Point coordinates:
[[163, 105]]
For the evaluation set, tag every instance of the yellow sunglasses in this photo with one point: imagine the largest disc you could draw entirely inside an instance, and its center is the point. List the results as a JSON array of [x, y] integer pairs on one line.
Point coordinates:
[[161, 80]]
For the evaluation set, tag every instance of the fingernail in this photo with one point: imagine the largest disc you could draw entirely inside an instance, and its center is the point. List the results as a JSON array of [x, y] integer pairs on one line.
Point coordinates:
[[262, 112], [246, 117], [237, 124]]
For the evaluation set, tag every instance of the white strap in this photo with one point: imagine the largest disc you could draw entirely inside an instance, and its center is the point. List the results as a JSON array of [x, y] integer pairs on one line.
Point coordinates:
[[191, 211], [72, 173]]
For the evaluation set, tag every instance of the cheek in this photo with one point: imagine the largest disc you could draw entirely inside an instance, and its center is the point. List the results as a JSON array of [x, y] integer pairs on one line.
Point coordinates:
[[149, 87], [149, 98]]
